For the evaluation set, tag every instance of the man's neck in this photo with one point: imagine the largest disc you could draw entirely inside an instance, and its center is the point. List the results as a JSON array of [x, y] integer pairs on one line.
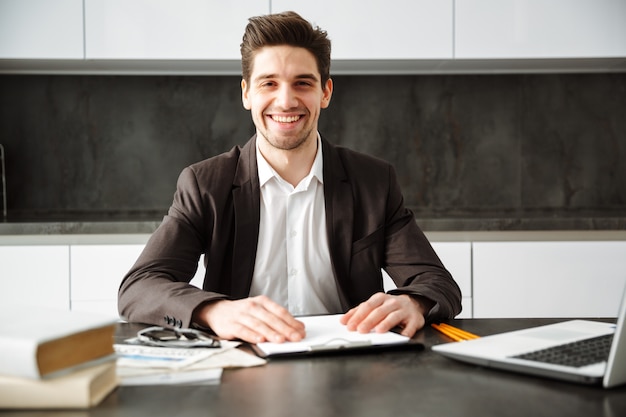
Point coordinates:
[[292, 165]]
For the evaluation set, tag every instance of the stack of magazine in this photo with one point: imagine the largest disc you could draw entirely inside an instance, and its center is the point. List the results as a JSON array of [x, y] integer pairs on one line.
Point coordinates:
[[178, 356]]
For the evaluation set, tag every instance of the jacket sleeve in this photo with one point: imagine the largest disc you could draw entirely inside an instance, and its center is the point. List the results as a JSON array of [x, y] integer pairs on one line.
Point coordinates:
[[156, 290], [411, 261]]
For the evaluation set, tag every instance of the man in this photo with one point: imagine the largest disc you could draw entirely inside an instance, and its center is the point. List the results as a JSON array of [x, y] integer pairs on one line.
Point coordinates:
[[289, 224]]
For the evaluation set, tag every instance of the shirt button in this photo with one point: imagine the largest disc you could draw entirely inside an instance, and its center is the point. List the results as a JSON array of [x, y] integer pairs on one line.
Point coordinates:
[[293, 233], [293, 272]]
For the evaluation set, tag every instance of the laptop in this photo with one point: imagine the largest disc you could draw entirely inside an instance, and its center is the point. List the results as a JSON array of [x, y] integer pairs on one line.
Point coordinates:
[[581, 351]]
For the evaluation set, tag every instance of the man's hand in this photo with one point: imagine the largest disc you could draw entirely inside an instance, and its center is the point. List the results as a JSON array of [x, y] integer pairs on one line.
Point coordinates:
[[382, 312], [254, 320]]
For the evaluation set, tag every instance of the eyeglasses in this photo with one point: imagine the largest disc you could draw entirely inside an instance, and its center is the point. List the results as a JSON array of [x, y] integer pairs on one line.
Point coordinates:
[[177, 337]]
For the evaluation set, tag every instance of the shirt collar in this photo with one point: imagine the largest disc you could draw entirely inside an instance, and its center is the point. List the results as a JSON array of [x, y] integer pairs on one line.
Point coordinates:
[[266, 172]]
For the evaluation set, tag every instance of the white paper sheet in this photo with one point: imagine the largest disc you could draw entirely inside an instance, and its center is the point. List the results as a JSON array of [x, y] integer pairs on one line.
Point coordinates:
[[327, 333]]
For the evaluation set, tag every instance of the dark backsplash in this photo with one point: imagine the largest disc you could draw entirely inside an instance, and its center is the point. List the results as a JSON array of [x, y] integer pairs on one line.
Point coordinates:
[[462, 145]]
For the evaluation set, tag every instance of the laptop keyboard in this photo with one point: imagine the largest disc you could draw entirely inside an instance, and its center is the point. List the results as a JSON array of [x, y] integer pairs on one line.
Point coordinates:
[[575, 354]]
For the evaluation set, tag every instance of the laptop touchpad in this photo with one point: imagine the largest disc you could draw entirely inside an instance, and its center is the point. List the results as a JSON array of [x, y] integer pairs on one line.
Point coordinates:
[[555, 334]]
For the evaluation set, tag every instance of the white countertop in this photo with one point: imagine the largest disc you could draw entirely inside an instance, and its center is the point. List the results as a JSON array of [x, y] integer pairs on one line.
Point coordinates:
[[438, 236]]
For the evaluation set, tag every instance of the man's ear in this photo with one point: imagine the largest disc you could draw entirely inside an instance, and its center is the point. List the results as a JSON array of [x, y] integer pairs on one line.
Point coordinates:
[[244, 95], [328, 92]]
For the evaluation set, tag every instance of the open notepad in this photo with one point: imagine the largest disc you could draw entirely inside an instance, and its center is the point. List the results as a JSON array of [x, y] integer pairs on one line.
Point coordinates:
[[326, 334]]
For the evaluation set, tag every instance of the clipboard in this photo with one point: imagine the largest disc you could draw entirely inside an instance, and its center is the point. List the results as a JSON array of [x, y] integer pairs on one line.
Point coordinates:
[[326, 335]]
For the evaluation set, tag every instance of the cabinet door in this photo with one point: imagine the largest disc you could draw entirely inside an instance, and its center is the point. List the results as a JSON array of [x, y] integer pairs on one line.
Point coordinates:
[[548, 279], [457, 258], [540, 29], [96, 273], [167, 29], [402, 29], [41, 29], [35, 275]]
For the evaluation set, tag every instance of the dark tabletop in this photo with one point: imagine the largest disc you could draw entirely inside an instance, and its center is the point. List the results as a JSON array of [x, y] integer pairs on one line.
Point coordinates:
[[399, 383]]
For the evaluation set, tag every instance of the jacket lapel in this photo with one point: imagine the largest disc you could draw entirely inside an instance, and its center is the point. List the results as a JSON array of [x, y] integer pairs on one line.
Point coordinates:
[[246, 204], [339, 217]]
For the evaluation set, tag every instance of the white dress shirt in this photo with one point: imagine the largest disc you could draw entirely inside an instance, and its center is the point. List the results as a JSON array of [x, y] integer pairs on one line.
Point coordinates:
[[292, 264]]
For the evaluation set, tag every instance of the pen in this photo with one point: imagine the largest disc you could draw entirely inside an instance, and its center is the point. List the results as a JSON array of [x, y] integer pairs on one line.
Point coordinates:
[[454, 333]]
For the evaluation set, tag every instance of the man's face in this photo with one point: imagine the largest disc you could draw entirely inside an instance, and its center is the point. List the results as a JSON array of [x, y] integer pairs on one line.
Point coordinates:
[[285, 95]]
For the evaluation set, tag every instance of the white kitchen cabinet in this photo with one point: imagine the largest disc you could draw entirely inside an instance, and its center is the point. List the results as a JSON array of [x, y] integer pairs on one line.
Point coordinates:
[[548, 279], [35, 275], [457, 258], [167, 29], [504, 29], [402, 29], [96, 273], [202, 37], [41, 29]]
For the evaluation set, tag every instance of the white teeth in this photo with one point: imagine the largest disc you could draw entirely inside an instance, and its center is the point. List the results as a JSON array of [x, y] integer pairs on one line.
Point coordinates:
[[285, 119]]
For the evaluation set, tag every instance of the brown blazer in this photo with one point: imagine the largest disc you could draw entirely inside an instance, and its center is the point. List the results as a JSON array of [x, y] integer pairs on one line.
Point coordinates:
[[215, 212]]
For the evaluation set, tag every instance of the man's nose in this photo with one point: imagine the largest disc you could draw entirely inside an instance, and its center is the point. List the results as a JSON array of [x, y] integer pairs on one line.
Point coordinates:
[[286, 98]]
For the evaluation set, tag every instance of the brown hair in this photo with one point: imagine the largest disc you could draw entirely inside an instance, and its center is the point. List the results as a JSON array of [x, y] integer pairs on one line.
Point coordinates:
[[287, 28]]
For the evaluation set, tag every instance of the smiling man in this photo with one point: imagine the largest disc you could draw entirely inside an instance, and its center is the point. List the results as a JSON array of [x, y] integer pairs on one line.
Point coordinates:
[[285, 95], [288, 224]]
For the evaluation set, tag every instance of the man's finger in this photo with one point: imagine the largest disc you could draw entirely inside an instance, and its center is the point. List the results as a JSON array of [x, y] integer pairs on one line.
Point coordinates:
[[279, 320], [367, 314]]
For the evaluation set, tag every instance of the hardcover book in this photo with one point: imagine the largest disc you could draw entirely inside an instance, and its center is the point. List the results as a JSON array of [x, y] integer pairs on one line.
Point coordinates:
[[82, 388], [39, 343]]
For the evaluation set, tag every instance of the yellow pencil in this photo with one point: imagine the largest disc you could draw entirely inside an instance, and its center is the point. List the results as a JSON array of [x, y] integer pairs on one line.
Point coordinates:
[[446, 333], [462, 333], [449, 333], [453, 332]]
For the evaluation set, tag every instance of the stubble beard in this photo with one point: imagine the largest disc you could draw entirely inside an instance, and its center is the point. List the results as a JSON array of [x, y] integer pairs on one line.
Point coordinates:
[[286, 143]]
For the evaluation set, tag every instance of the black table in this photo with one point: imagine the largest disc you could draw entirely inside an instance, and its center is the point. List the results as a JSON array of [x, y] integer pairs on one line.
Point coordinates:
[[402, 383]]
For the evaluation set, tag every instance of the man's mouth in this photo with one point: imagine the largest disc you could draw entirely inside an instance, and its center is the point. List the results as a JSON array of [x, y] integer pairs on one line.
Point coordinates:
[[285, 119]]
